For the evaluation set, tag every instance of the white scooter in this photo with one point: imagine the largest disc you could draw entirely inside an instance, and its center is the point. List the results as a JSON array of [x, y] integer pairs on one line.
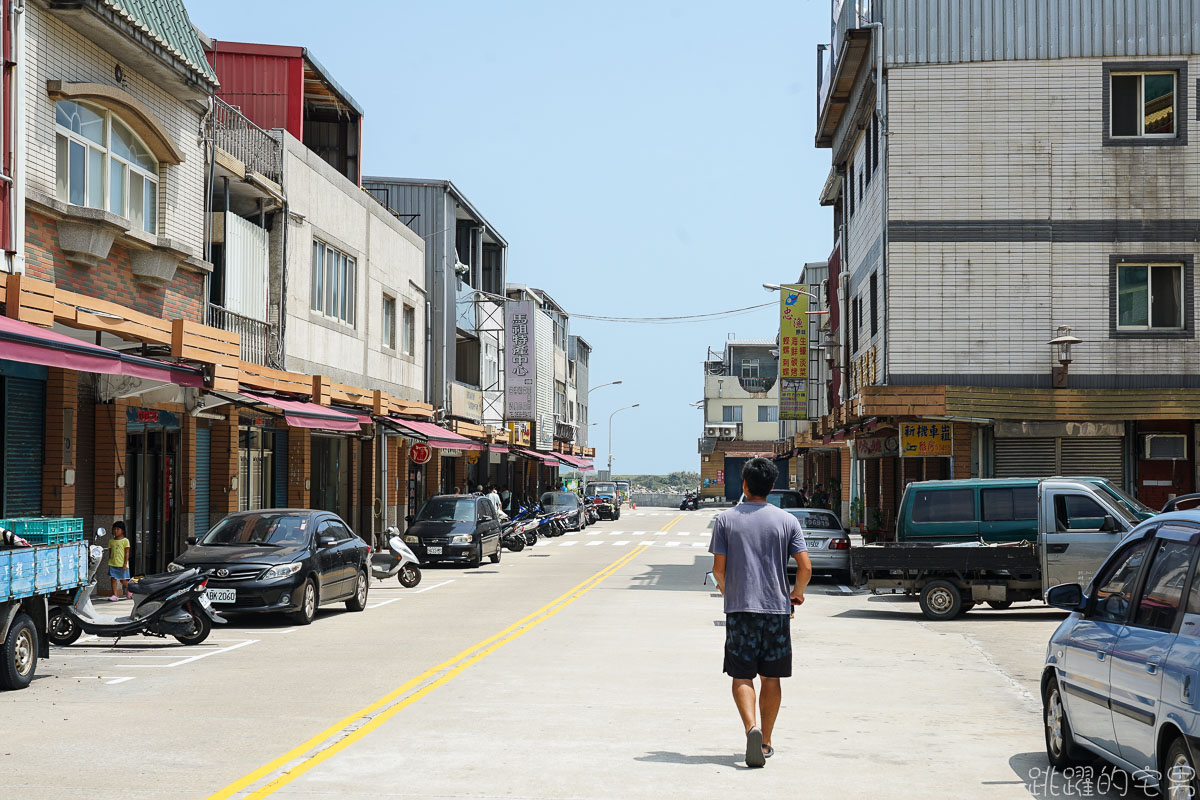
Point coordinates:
[[397, 560]]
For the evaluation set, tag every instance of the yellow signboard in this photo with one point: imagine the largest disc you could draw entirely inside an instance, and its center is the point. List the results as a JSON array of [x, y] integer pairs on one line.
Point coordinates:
[[518, 433], [926, 439], [793, 353]]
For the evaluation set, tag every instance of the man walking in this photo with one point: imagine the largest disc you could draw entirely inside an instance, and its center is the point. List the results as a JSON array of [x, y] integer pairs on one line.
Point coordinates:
[[751, 544]]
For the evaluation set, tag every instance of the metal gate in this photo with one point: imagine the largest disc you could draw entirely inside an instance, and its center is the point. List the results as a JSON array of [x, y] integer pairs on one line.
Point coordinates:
[[1026, 458], [24, 427], [1100, 456], [203, 483]]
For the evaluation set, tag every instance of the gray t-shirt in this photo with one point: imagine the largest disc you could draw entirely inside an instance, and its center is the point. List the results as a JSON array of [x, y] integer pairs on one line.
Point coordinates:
[[756, 539]]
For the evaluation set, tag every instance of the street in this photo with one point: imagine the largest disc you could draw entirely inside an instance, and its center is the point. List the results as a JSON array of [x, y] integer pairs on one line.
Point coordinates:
[[588, 667]]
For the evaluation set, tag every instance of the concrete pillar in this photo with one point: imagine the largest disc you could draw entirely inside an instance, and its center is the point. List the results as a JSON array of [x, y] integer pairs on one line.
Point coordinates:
[[62, 398], [299, 468]]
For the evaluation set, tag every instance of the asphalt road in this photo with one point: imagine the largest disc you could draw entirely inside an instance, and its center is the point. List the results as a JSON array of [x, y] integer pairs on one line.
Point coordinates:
[[586, 667]]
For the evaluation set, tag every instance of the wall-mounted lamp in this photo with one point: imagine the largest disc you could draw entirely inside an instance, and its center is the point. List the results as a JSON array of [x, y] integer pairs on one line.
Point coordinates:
[[233, 484], [307, 484], [68, 477], [1061, 348], [120, 481]]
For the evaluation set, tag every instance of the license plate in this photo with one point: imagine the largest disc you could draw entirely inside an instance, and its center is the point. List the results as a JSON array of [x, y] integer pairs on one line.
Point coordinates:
[[433, 551], [222, 595], [204, 601], [814, 544]]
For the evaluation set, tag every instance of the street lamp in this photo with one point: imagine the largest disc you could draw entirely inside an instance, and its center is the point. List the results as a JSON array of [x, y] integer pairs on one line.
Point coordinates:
[[610, 419], [601, 386], [1062, 348], [775, 287]]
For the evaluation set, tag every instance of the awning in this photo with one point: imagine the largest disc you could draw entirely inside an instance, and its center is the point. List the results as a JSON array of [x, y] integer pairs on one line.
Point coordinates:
[[575, 462], [535, 455], [438, 436], [299, 414], [498, 448], [29, 344]]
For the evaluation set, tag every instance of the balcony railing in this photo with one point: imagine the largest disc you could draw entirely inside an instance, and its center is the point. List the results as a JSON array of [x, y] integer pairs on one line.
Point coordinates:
[[245, 141], [763, 385], [260, 340], [853, 14]]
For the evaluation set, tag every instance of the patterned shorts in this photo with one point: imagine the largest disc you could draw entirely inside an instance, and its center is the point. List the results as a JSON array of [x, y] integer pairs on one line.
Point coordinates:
[[758, 644]]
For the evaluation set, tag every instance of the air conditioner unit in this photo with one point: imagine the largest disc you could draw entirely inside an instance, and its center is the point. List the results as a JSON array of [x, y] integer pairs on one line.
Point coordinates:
[[726, 431], [1165, 446]]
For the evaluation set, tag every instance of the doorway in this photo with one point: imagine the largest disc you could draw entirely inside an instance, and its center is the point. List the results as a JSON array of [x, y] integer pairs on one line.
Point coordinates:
[[331, 474], [152, 498]]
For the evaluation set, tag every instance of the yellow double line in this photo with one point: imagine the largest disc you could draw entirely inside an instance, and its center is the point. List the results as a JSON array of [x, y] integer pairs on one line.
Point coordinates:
[[351, 729]]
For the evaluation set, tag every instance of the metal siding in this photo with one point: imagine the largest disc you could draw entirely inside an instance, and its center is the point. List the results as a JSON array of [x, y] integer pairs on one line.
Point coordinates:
[[260, 86], [1025, 458], [956, 31], [203, 482], [281, 470], [246, 267], [24, 437], [1100, 456]]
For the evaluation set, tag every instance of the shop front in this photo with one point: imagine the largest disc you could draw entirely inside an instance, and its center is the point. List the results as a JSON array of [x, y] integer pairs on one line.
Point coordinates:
[[152, 488], [22, 427]]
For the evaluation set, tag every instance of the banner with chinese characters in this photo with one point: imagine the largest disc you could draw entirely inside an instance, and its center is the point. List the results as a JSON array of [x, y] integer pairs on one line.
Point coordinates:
[[520, 378], [793, 353], [926, 439]]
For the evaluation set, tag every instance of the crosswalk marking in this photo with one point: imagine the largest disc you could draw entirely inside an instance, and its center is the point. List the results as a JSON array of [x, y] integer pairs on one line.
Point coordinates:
[[594, 544], [593, 533], [623, 541], [568, 544], [673, 544], [639, 533]]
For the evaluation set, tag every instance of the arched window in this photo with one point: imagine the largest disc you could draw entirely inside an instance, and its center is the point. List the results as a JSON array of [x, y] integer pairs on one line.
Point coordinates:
[[101, 163]]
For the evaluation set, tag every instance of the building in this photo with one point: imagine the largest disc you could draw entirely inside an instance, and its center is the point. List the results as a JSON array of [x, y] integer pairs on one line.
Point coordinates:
[[741, 415], [579, 355], [963, 250]]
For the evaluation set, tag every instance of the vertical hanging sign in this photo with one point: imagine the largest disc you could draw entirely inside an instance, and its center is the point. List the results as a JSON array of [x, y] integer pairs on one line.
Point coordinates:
[[520, 379], [793, 353]]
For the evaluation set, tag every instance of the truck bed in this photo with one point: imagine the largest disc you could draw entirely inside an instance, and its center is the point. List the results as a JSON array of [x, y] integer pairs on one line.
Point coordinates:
[[1017, 558], [42, 569]]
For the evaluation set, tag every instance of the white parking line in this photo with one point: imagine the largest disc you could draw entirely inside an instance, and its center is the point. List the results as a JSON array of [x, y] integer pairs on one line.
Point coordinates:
[[639, 533], [190, 659], [384, 603], [567, 544], [115, 681], [699, 544], [436, 585]]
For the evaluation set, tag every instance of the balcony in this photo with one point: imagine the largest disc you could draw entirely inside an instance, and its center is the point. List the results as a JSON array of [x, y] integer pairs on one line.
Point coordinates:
[[260, 340], [757, 385], [839, 62], [565, 431], [253, 148]]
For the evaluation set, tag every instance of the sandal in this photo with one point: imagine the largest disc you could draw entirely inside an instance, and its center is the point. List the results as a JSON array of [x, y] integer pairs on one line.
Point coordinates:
[[768, 751], [754, 748]]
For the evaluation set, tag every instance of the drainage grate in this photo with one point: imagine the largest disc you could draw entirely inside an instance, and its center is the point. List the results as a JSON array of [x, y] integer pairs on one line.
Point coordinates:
[[720, 623]]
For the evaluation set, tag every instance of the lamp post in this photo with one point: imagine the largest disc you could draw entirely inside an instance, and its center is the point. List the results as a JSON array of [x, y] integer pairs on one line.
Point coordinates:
[[1062, 348], [610, 419]]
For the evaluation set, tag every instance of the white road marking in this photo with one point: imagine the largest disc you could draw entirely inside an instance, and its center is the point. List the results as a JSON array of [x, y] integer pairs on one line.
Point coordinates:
[[660, 533], [673, 544], [638, 533], [117, 680], [623, 541], [594, 544], [436, 585], [384, 603], [684, 533], [617, 533], [593, 533], [567, 544], [699, 544], [190, 659]]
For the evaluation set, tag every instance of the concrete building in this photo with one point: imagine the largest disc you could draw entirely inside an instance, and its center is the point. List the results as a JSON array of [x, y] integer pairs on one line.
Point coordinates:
[[741, 415], [579, 355], [1059, 205]]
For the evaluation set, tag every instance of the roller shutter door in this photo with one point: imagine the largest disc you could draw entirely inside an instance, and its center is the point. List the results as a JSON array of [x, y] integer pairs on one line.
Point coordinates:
[[24, 427], [1103, 457], [281, 467], [203, 481], [1026, 458]]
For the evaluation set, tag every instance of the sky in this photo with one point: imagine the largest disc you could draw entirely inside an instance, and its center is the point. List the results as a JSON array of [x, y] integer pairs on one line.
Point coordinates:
[[641, 158]]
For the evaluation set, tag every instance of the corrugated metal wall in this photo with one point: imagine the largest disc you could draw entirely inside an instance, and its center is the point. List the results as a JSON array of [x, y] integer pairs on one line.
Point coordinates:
[[950, 31], [203, 472], [543, 350], [246, 268], [24, 426], [268, 89]]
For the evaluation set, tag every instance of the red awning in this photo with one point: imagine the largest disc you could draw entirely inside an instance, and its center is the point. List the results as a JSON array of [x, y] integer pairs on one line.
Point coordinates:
[[575, 462], [438, 436], [498, 448], [29, 344], [535, 455], [308, 415]]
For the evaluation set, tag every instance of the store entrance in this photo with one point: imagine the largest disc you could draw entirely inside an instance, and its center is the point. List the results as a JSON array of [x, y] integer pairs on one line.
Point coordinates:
[[152, 498], [331, 475]]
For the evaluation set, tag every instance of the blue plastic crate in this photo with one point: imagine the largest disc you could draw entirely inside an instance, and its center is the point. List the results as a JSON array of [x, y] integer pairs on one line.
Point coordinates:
[[53, 538], [42, 527]]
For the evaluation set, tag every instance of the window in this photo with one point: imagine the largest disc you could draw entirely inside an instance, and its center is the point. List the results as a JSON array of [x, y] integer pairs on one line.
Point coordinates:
[[731, 413], [1149, 296], [944, 505], [768, 413], [749, 367], [874, 291], [1077, 512], [333, 282], [1009, 505], [410, 330], [389, 322], [1114, 586], [101, 163], [1142, 104], [1163, 592], [850, 185], [256, 468], [868, 156], [855, 321]]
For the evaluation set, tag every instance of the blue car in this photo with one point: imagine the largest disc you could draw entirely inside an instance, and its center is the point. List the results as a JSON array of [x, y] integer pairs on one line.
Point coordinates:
[[1122, 673]]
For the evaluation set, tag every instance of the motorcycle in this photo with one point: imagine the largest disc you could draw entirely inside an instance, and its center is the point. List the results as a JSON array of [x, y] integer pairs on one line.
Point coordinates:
[[399, 560], [691, 501], [171, 604]]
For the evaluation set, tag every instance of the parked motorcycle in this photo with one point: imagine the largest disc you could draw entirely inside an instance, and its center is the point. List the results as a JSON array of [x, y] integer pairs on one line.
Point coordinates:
[[398, 560], [511, 537], [171, 604], [690, 502]]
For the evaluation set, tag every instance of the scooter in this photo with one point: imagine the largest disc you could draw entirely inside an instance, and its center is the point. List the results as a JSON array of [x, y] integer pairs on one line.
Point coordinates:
[[398, 560], [511, 536], [172, 604], [691, 502]]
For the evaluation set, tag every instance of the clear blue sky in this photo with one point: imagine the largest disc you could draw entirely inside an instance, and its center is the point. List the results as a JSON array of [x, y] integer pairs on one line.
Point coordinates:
[[641, 158]]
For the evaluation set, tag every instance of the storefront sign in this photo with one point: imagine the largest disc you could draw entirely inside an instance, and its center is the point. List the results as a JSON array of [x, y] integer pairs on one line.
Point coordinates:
[[466, 402], [420, 453], [720, 476], [520, 380], [876, 446], [450, 453], [793, 353], [926, 439], [518, 433], [473, 457], [150, 416]]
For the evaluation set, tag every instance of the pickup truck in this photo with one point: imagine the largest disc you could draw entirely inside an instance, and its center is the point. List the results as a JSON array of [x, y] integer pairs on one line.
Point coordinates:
[[28, 576], [1078, 524]]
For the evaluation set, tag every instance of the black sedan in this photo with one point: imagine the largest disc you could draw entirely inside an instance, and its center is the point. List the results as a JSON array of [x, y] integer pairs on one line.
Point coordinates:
[[558, 502], [281, 559], [455, 528]]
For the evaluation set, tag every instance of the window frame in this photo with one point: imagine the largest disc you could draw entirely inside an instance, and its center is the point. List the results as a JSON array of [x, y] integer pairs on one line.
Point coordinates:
[[333, 287], [149, 223], [1179, 138], [1131, 619], [729, 418], [768, 409], [1187, 262], [751, 365], [389, 321], [408, 336]]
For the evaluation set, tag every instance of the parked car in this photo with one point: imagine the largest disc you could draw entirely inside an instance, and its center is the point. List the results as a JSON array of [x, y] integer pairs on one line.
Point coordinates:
[[1122, 673], [1184, 502], [782, 498], [455, 528], [281, 559], [999, 509], [557, 502], [828, 542]]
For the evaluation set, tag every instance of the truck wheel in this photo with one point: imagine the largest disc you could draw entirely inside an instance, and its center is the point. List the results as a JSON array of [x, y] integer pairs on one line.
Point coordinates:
[[941, 599], [999, 605], [19, 653]]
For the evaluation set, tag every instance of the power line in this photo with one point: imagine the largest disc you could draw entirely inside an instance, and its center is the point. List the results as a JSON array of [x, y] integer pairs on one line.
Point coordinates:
[[674, 319]]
